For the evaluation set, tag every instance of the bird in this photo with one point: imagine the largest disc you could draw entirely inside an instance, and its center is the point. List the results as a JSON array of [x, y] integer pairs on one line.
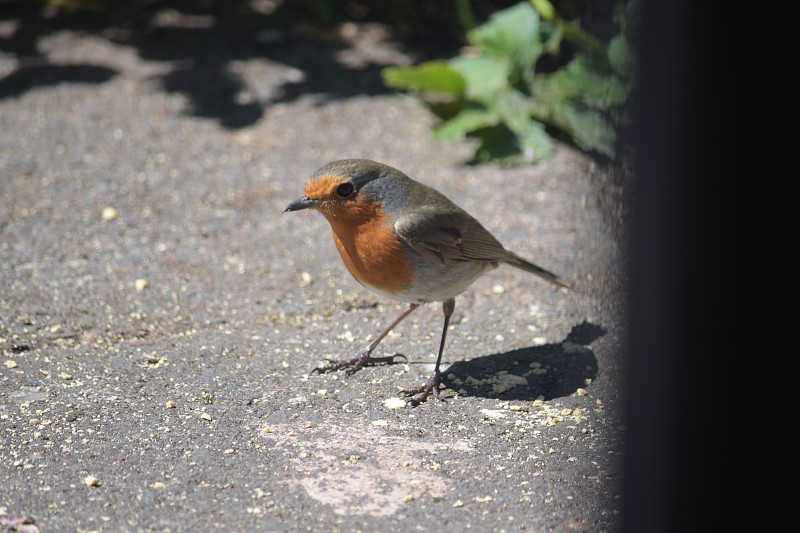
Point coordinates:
[[406, 241]]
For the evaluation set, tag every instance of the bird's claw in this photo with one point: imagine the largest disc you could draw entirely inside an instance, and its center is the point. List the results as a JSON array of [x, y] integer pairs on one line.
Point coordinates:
[[420, 394], [357, 363]]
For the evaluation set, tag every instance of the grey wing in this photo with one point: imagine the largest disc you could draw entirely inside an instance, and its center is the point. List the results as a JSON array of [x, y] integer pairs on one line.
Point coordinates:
[[449, 236]]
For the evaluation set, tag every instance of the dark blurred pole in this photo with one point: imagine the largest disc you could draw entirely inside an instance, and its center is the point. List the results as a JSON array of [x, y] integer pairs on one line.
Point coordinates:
[[701, 274]]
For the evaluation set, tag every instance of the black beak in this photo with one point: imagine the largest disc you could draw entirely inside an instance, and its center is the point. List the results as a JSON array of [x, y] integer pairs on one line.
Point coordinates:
[[301, 203]]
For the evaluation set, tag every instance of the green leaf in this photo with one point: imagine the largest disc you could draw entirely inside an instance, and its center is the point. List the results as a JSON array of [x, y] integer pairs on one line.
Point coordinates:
[[483, 75], [497, 144], [534, 143], [501, 145], [545, 8], [514, 108], [621, 57], [587, 127], [626, 16], [590, 131], [512, 33], [496, 97], [552, 34], [583, 40], [466, 121], [580, 81], [436, 76]]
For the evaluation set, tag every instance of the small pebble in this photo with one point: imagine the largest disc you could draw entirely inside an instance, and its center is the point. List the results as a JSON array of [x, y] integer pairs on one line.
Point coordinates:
[[394, 403], [141, 284], [109, 213], [91, 481]]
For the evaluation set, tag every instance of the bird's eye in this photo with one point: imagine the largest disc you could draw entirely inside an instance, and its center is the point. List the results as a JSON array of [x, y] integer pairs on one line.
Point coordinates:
[[345, 189]]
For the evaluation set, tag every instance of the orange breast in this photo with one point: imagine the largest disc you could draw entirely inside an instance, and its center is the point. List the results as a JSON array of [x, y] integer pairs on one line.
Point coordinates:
[[369, 249]]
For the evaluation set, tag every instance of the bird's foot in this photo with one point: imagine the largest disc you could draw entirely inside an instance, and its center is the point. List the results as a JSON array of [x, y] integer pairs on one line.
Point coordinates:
[[357, 363], [420, 394]]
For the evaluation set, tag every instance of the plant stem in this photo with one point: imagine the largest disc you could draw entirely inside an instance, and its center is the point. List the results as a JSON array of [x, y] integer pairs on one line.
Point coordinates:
[[465, 15], [582, 39]]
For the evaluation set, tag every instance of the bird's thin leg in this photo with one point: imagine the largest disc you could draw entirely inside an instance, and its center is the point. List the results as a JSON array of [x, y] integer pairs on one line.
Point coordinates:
[[421, 394], [364, 359]]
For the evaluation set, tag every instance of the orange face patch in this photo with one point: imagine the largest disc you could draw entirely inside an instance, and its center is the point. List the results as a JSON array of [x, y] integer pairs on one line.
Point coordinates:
[[323, 188]]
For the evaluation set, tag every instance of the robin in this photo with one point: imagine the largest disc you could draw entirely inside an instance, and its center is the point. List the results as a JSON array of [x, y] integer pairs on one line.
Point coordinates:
[[406, 241]]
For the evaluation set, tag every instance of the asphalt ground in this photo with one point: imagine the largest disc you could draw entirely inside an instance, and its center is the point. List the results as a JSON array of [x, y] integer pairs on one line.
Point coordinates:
[[159, 315]]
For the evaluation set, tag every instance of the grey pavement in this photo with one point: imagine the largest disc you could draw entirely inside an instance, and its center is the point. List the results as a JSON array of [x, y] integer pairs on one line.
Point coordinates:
[[159, 315]]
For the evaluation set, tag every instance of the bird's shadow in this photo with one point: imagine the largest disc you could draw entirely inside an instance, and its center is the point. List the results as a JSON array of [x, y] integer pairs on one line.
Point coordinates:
[[548, 371]]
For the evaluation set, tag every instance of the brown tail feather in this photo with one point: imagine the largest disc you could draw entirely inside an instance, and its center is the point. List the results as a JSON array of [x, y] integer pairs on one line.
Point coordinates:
[[526, 265]]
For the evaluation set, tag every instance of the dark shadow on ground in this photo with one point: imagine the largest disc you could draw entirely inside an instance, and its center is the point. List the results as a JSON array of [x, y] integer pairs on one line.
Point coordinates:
[[30, 77], [201, 41], [551, 371]]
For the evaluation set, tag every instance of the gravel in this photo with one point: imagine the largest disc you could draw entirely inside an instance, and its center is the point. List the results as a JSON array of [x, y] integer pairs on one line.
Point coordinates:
[[159, 317]]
